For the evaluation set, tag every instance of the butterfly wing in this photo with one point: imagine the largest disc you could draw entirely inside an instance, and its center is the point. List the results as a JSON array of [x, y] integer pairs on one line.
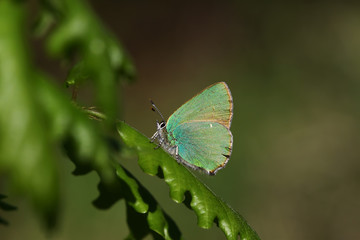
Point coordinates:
[[204, 145], [213, 104]]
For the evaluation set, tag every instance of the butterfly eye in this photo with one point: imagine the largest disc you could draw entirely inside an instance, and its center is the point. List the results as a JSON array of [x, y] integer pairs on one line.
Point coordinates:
[[162, 124]]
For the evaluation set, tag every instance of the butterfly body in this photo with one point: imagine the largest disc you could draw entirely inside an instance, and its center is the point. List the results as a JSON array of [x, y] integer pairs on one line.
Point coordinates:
[[167, 142], [197, 134]]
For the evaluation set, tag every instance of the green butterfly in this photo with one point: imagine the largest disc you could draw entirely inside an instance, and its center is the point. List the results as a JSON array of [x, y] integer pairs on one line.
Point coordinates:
[[198, 133]]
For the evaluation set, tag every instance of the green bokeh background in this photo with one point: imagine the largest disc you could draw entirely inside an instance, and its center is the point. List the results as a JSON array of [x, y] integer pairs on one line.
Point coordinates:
[[294, 73]]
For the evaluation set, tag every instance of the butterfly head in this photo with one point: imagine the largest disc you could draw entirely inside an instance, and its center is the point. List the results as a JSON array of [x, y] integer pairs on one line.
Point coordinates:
[[160, 125]]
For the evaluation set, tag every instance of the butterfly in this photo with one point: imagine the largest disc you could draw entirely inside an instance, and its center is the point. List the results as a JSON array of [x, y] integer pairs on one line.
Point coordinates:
[[198, 133]]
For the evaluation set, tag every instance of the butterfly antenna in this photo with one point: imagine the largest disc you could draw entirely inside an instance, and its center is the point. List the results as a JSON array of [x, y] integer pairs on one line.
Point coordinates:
[[155, 109]]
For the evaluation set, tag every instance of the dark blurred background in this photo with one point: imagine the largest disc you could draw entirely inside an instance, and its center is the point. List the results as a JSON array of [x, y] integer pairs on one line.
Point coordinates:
[[294, 73]]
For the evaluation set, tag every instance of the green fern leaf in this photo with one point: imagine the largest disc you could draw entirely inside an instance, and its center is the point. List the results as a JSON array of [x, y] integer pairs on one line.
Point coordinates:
[[183, 184]]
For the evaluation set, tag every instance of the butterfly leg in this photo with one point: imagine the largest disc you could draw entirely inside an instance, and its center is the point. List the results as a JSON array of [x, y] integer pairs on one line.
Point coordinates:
[[178, 159], [161, 141], [152, 139], [159, 145], [177, 156], [177, 151]]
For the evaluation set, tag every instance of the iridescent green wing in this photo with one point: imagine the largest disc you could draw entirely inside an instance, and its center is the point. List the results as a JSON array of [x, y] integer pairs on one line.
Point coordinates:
[[213, 104], [204, 145]]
